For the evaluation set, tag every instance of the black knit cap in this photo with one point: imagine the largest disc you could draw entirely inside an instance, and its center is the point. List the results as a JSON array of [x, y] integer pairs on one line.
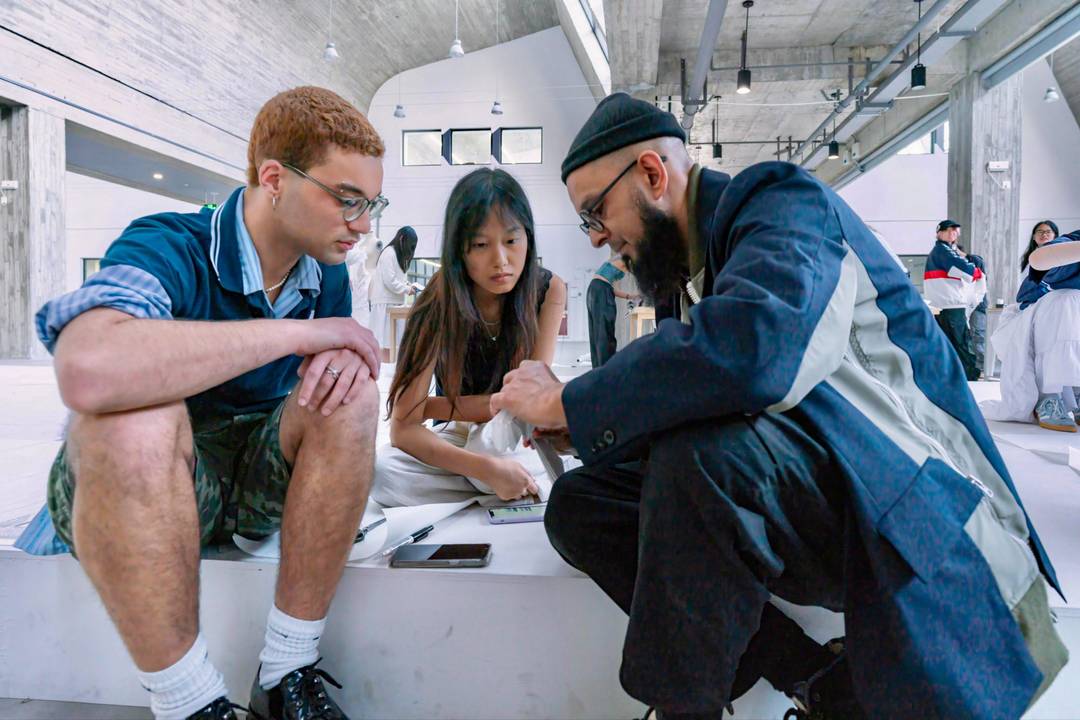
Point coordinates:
[[619, 120]]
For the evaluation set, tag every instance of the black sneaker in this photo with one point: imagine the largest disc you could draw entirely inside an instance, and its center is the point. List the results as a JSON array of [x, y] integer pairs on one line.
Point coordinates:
[[220, 709], [299, 696], [828, 694]]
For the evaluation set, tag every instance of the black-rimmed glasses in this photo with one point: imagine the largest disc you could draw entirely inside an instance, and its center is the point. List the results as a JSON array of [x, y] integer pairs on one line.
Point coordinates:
[[589, 221], [351, 207]]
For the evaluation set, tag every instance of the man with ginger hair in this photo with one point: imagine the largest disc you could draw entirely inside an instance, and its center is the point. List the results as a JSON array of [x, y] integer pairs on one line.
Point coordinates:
[[178, 361]]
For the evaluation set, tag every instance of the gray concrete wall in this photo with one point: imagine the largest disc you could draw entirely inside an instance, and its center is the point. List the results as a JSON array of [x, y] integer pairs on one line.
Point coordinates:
[[31, 224]]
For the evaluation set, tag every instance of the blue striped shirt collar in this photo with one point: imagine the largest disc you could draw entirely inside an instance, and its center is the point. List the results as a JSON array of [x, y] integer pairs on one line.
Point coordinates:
[[236, 261]]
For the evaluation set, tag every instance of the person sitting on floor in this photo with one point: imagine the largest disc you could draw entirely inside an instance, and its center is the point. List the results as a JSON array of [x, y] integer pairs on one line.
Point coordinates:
[[1040, 345], [490, 306], [805, 431], [178, 361]]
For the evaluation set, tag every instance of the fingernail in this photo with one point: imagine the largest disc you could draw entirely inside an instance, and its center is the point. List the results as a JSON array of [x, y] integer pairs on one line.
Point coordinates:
[[303, 402]]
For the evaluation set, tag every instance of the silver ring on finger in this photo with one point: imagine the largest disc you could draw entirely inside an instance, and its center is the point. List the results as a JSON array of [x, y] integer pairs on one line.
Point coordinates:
[[333, 372]]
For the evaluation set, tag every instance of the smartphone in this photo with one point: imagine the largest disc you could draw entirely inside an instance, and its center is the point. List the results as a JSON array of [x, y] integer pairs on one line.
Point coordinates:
[[516, 514], [442, 556]]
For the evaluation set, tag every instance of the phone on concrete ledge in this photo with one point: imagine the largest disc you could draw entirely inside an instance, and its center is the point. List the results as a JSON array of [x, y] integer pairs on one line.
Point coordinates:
[[442, 556], [516, 514]]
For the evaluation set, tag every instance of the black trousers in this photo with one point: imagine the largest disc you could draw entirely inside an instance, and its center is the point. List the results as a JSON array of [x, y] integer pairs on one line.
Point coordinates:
[[691, 542], [954, 324], [600, 302]]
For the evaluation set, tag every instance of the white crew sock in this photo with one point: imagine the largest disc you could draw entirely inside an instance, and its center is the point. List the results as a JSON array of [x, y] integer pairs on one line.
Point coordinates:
[[291, 643], [186, 686]]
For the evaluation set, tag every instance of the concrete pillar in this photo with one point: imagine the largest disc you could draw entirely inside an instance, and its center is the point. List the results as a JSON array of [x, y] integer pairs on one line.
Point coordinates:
[[985, 127], [32, 227]]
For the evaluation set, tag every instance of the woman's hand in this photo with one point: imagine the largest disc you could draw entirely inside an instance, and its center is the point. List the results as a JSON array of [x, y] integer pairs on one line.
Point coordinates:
[[509, 479]]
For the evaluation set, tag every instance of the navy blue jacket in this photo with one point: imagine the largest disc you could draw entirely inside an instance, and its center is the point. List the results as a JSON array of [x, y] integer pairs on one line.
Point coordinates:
[[805, 312]]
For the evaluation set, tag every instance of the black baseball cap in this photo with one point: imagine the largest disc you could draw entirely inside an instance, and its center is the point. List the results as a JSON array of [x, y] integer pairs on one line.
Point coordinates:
[[946, 224]]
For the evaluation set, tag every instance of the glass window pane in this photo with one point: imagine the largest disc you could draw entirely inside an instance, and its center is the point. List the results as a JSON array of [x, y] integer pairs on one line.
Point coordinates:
[[523, 145], [90, 266], [421, 147], [470, 147]]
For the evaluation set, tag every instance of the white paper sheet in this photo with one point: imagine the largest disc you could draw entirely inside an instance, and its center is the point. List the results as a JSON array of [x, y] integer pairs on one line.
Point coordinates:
[[400, 522]]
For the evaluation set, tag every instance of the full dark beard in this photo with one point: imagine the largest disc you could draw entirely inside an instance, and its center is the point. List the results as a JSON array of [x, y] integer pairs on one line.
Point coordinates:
[[661, 264]]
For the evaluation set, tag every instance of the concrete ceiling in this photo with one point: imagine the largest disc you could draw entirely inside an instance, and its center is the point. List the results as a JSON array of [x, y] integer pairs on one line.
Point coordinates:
[[783, 102], [222, 61], [1067, 73]]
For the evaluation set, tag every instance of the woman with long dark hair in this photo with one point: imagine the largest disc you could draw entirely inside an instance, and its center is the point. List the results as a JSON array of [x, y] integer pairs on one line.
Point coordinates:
[[1044, 231], [490, 306], [1038, 340], [391, 284]]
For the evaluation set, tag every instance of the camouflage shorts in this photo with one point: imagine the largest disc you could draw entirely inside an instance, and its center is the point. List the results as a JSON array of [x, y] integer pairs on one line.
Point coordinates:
[[240, 479]]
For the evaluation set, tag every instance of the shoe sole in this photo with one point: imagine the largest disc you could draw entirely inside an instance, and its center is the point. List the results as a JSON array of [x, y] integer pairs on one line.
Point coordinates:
[[1059, 428]]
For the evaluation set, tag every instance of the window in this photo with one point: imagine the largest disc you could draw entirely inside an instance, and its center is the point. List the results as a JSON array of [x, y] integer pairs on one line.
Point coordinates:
[[518, 146], [421, 147], [916, 266], [594, 15], [420, 270], [90, 266], [937, 140], [467, 147]]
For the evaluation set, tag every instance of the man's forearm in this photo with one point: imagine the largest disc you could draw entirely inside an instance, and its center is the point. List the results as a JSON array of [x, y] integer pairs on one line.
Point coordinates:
[[110, 363]]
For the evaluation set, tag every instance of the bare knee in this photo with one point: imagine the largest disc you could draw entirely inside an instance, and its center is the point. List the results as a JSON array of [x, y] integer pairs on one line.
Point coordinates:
[[131, 445], [356, 421]]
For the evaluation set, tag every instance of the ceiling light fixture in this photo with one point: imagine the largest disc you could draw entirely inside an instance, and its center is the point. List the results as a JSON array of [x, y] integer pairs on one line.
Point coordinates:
[[158, 176], [834, 146], [1051, 92], [496, 107], [743, 84], [399, 109], [456, 50], [918, 73], [717, 148], [330, 53]]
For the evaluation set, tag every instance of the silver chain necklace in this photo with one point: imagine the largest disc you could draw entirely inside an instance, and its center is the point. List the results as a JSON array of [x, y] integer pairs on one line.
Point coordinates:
[[281, 282]]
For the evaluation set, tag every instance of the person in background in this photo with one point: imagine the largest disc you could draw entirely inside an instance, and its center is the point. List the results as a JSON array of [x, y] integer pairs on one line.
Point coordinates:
[[600, 302], [978, 304], [360, 278], [946, 284], [390, 284], [490, 306], [1054, 278]]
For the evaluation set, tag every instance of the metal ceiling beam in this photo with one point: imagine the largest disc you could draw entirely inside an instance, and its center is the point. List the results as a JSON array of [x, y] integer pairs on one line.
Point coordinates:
[[1059, 32], [964, 22], [877, 70], [700, 72]]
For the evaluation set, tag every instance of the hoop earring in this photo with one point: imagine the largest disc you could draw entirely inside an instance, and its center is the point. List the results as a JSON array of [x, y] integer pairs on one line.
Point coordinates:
[[273, 202]]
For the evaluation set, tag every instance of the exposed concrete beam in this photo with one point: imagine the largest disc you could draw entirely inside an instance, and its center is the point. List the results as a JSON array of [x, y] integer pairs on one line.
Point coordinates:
[[633, 32]]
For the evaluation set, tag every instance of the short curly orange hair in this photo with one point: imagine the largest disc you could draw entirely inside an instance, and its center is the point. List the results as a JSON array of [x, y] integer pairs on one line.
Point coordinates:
[[298, 126]]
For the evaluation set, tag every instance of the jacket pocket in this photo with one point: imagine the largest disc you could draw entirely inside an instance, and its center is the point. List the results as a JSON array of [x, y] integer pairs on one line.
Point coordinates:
[[928, 518]]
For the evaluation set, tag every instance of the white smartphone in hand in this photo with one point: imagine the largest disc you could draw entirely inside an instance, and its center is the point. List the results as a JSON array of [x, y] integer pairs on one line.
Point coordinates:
[[516, 514]]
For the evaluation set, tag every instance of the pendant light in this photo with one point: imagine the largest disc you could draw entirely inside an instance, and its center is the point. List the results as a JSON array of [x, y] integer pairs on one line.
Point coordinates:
[[330, 53], [743, 84], [1051, 92], [456, 50], [496, 107], [918, 73]]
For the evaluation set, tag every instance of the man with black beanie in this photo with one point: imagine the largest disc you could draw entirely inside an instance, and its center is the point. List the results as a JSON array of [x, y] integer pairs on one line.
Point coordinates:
[[798, 428]]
